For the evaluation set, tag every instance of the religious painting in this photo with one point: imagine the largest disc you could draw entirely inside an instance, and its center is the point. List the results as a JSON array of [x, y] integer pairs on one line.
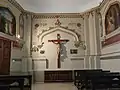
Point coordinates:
[[7, 21], [112, 19], [112, 23], [21, 30], [73, 51]]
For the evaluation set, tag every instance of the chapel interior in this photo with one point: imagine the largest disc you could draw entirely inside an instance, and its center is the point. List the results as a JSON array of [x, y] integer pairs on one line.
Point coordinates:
[[59, 44]]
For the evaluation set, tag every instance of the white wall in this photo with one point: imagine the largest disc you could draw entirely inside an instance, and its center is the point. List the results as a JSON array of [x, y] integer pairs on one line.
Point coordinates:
[[51, 49], [111, 64], [78, 64]]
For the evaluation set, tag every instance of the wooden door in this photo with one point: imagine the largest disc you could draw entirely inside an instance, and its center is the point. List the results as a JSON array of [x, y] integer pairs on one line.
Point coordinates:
[[1, 53], [5, 54]]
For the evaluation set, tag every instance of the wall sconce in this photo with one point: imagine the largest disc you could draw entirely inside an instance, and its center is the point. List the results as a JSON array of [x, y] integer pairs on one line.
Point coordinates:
[[80, 44], [36, 48], [18, 36]]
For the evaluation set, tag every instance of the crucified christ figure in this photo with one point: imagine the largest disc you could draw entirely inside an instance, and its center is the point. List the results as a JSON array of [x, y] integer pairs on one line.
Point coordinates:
[[58, 42]]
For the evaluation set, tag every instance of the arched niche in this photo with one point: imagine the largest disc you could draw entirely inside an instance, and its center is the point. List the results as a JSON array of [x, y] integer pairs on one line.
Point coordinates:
[[111, 25], [112, 18], [7, 21], [62, 29]]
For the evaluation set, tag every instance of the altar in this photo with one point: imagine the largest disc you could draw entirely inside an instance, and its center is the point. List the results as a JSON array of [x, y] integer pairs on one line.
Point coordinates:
[[58, 75], [53, 75]]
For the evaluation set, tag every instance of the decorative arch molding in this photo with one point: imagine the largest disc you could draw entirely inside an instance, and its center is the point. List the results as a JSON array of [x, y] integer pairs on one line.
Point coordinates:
[[76, 36], [108, 5], [105, 5]]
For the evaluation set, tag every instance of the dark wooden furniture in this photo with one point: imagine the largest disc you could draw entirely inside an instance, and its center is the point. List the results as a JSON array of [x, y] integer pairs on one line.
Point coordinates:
[[6, 83], [5, 54], [96, 79], [58, 76], [9, 81], [105, 81]]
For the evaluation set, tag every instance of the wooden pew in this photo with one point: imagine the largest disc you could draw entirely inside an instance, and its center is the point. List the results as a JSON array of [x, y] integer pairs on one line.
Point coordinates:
[[6, 83], [96, 79], [7, 80], [80, 76], [86, 79], [106, 81]]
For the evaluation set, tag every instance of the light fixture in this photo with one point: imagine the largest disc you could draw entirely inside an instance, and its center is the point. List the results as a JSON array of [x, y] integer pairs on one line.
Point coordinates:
[[36, 48], [13, 60], [18, 36]]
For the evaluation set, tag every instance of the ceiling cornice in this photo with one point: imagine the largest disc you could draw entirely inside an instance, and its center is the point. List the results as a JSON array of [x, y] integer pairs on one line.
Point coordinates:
[[57, 15]]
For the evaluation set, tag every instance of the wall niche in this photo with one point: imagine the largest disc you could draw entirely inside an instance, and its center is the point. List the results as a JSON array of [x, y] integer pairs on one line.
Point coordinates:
[[7, 21]]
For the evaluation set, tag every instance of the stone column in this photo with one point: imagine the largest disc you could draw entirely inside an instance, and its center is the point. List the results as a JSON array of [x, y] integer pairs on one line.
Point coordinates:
[[87, 43]]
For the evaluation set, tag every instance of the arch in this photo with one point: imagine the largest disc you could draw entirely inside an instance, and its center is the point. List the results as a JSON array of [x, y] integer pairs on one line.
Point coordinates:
[[69, 31], [108, 5], [111, 18]]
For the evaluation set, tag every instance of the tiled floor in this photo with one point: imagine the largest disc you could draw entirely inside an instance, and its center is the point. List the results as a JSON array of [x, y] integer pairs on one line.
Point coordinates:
[[53, 86]]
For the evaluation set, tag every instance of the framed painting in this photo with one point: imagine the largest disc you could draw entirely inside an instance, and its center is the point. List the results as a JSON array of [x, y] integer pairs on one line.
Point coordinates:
[[7, 21], [112, 19], [112, 25], [21, 26]]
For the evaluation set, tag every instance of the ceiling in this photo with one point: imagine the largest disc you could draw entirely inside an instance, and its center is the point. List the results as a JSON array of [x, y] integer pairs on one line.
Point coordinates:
[[58, 6]]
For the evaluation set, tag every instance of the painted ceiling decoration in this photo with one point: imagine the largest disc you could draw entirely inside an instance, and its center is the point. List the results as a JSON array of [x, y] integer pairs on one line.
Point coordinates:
[[60, 15]]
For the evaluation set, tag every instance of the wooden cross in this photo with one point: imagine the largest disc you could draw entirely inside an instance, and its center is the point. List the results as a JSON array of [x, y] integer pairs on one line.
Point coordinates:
[[58, 41]]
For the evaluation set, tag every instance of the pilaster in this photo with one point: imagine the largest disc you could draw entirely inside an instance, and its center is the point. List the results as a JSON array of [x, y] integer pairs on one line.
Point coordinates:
[[87, 43]]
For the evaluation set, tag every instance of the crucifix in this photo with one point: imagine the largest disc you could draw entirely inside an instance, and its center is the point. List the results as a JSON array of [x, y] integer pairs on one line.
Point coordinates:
[[58, 42]]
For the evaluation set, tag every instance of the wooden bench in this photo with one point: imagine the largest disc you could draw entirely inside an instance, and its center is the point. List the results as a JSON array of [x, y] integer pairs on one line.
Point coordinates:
[[6, 83], [98, 80], [102, 81], [80, 76], [10, 81], [105, 82]]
